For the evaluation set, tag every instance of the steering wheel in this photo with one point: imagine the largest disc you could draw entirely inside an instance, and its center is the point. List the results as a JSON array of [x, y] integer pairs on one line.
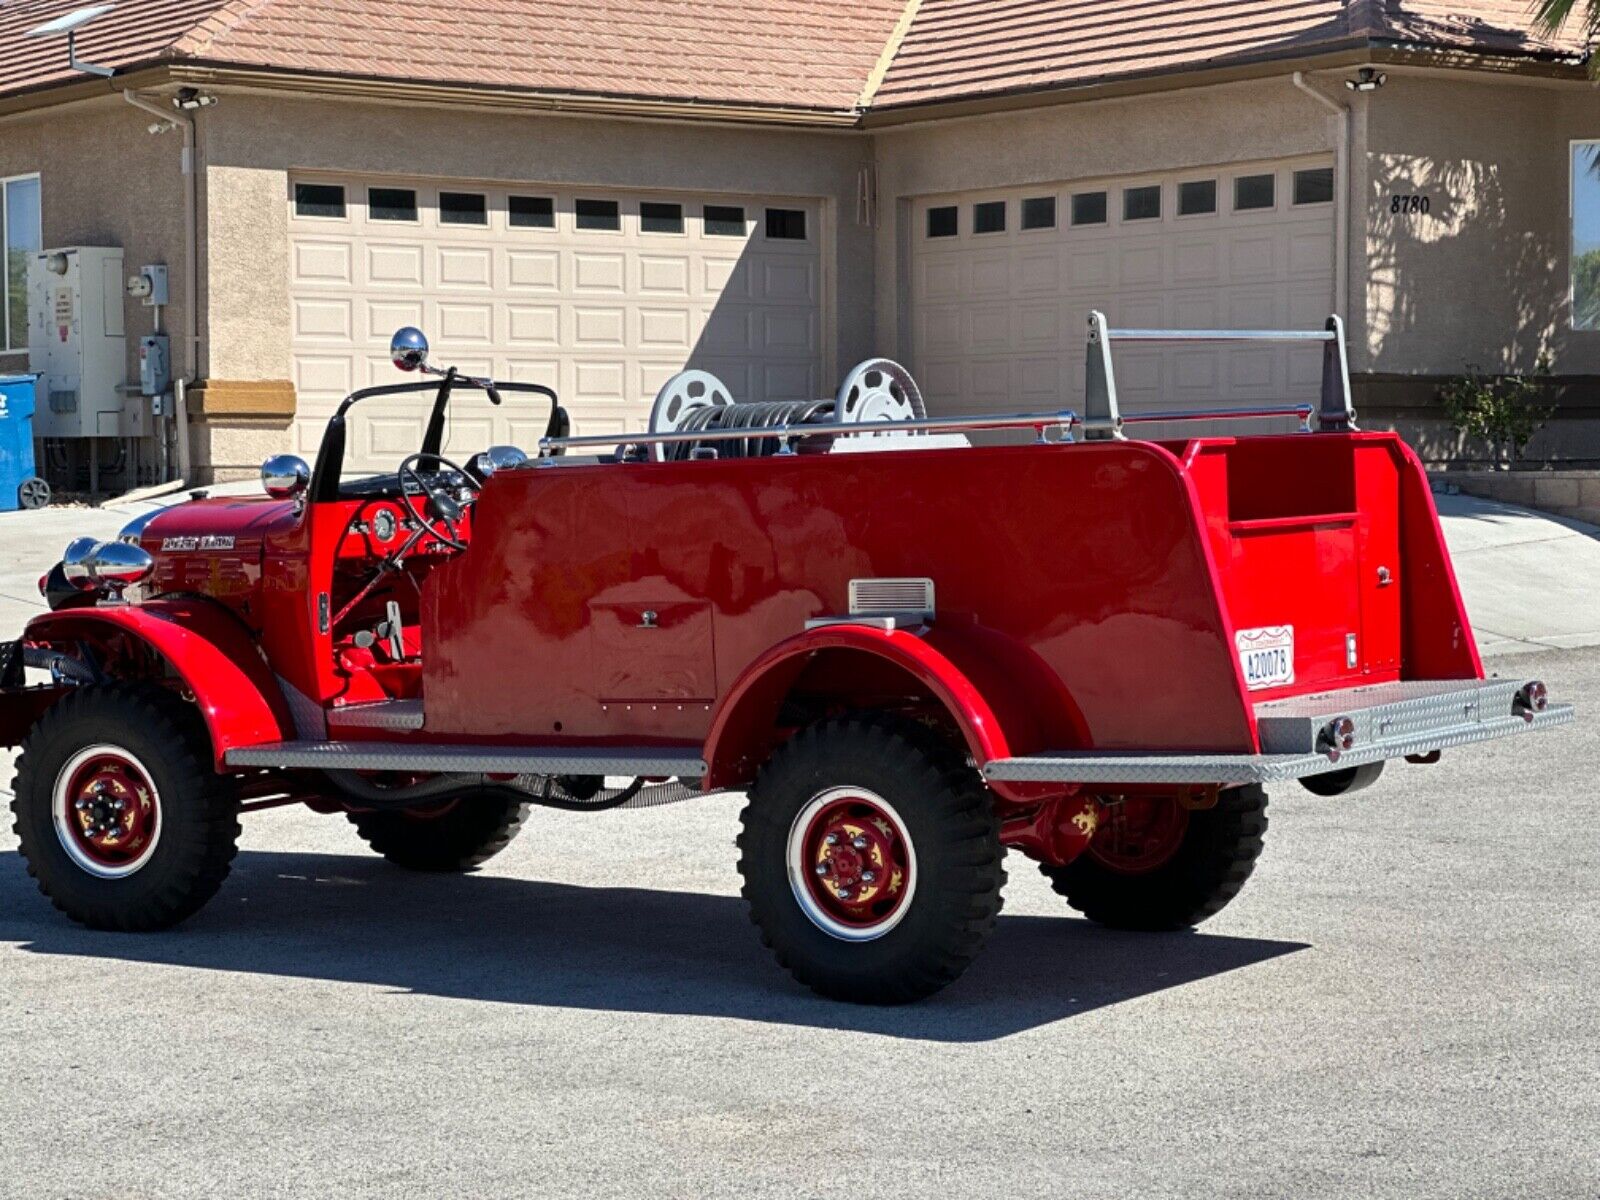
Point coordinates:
[[442, 512]]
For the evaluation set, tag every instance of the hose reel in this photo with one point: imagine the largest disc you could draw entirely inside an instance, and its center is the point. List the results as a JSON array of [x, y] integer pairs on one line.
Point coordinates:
[[878, 389]]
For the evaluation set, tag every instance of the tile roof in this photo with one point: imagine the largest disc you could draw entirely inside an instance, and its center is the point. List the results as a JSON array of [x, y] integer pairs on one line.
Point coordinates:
[[803, 54], [128, 35], [959, 49]]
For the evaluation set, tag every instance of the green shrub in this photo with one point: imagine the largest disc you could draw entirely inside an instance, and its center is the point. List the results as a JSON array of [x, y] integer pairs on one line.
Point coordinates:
[[1503, 410]]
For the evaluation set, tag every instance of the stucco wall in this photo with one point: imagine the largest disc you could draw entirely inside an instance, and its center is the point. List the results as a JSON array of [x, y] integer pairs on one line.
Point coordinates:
[[1196, 127], [1483, 276], [106, 181], [254, 141]]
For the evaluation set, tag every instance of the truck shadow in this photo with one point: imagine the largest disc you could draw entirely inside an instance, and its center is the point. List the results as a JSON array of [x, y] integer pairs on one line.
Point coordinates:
[[357, 920]]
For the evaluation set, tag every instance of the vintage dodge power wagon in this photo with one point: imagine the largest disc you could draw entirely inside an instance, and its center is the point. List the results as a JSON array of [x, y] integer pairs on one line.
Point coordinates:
[[915, 642]]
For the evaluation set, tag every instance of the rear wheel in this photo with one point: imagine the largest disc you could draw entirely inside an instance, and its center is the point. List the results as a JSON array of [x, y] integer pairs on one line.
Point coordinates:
[[455, 834], [871, 860], [122, 820], [1154, 864]]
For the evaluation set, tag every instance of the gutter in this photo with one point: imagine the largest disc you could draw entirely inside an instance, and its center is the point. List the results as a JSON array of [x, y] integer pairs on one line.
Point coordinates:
[[1341, 195], [191, 307]]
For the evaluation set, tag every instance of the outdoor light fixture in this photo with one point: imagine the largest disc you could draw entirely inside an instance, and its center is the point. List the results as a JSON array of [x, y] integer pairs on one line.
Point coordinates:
[[190, 99], [69, 25], [1368, 79]]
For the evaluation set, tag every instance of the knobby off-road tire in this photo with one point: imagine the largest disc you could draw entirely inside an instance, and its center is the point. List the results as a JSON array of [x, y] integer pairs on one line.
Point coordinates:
[[1217, 853], [920, 810], [454, 835], [176, 834]]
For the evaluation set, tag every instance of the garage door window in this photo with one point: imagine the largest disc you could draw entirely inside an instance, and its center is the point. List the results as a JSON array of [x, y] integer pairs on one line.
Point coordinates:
[[463, 208], [1314, 186], [1141, 203], [391, 204], [1586, 235], [942, 221], [1039, 212], [597, 214], [531, 212], [319, 200], [786, 224], [1253, 192], [989, 217], [20, 235], [1089, 208], [1197, 197], [724, 220], [660, 218]]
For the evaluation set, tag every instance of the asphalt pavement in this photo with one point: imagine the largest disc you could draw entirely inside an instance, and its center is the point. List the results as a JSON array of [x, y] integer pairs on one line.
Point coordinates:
[[1402, 1002]]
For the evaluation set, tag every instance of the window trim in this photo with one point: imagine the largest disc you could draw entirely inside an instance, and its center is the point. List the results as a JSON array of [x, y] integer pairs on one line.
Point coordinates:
[[294, 200], [615, 203], [1005, 217], [683, 218], [5, 250], [927, 222], [744, 221], [805, 221], [1105, 212], [1177, 199], [1022, 214], [1128, 189], [1257, 208], [1294, 186], [1572, 234], [549, 199]]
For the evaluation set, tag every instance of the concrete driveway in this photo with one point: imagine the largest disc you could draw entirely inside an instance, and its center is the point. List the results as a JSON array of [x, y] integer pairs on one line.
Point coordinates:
[[1400, 1004]]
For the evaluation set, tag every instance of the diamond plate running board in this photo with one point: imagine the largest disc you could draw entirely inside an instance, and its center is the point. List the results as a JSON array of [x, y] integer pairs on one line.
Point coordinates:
[[488, 760], [1070, 767]]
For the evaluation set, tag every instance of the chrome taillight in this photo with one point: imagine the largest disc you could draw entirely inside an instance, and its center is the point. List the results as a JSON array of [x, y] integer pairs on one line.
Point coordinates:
[[1337, 736], [1533, 697]]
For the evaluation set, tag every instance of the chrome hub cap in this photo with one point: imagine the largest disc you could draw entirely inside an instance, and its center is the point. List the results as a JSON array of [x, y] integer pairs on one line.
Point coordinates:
[[107, 813], [852, 867]]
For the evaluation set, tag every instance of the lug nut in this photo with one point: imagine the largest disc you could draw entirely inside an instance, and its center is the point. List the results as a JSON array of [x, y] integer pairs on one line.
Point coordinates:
[[869, 877], [859, 842], [119, 804], [822, 868], [844, 893], [81, 804], [831, 840]]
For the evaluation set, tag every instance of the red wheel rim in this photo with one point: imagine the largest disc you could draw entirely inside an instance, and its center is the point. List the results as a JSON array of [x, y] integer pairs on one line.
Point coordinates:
[[1140, 833], [107, 812], [852, 866]]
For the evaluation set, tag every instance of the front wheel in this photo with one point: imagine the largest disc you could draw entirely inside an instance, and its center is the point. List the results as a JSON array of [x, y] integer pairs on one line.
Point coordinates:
[[121, 818], [871, 860], [1156, 865]]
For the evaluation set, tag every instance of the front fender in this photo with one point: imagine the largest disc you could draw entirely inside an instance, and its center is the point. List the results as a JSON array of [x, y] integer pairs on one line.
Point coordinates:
[[205, 646], [741, 729]]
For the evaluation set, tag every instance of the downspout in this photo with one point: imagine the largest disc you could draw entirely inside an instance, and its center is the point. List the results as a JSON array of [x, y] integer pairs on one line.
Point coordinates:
[[1341, 197], [191, 307]]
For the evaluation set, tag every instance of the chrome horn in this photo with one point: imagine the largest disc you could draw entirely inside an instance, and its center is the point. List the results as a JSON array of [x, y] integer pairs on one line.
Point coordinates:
[[409, 348]]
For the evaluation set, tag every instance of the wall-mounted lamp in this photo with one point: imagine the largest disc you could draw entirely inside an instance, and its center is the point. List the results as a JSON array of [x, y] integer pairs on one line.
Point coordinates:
[[1368, 79], [69, 25], [190, 99]]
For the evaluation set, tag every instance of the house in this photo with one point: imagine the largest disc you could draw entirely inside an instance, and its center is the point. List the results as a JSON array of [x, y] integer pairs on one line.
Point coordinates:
[[594, 196]]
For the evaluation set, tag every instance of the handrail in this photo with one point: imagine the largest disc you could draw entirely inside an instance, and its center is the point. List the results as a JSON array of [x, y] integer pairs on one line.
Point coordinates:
[[1103, 417], [1063, 420]]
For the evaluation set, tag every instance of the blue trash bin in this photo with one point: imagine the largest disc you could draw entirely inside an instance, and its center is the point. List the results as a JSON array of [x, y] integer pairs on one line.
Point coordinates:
[[19, 486]]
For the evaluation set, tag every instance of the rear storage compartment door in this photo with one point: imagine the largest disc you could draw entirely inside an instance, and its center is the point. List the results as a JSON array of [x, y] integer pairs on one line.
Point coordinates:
[[1305, 531]]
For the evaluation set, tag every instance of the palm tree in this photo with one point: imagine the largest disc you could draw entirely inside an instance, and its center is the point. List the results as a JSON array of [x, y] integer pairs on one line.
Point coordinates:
[[1550, 15]]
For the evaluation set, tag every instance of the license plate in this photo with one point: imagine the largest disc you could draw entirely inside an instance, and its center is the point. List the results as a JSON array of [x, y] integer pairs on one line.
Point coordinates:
[[1266, 656]]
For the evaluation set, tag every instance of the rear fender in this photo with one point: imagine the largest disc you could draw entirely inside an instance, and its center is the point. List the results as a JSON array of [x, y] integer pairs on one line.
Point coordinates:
[[746, 726], [204, 645]]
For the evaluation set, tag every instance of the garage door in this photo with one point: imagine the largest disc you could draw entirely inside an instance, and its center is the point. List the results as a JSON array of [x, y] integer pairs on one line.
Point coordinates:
[[1003, 283], [599, 294]]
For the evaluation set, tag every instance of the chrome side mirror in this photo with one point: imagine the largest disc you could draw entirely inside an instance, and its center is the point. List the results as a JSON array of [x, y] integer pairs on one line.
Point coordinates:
[[409, 348], [285, 476]]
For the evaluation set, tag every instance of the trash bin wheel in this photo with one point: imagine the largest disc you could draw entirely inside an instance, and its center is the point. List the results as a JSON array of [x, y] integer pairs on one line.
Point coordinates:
[[33, 493]]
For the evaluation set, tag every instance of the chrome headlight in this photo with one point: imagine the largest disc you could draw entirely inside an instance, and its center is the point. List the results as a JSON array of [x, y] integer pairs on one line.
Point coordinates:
[[133, 532]]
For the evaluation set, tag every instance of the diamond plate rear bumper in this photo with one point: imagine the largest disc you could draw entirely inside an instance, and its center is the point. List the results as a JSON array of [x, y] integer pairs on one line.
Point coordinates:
[[1390, 720]]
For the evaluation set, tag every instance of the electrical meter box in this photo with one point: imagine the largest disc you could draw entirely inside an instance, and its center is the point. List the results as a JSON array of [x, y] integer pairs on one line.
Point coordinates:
[[77, 345], [155, 364]]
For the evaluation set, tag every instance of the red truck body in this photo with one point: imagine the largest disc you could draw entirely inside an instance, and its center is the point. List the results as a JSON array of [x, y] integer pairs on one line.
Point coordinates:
[[1097, 626]]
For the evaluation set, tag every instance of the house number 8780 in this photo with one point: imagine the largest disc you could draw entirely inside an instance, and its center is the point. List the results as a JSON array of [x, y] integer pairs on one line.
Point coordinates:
[[1409, 204]]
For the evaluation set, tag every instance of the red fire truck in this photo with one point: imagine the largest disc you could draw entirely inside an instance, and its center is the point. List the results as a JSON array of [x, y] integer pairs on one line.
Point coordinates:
[[913, 641]]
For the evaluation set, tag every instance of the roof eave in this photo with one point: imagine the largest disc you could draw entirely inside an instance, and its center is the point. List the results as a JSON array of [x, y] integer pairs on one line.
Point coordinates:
[[1326, 56]]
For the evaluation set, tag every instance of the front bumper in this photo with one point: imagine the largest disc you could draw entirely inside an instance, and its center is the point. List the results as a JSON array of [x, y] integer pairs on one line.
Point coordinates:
[[1390, 720]]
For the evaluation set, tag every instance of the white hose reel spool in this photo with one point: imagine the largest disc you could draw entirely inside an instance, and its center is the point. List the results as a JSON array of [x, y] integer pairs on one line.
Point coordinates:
[[681, 395], [878, 389]]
